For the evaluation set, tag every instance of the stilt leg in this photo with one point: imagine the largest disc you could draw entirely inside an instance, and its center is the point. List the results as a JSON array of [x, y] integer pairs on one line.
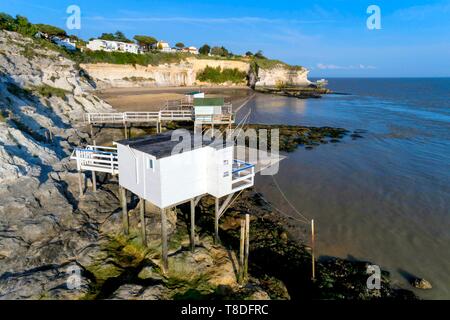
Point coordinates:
[[216, 222], [165, 261], [123, 195], [143, 229], [241, 252], [80, 183], [247, 243], [94, 181], [192, 225]]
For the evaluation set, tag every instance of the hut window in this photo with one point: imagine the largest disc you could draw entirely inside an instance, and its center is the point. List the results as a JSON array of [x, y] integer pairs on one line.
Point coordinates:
[[225, 162], [226, 174], [150, 164]]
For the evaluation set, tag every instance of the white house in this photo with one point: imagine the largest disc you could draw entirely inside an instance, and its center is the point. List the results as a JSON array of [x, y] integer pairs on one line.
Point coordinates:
[[162, 46], [150, 168], [191, 49], [65, 43], [110, 46]]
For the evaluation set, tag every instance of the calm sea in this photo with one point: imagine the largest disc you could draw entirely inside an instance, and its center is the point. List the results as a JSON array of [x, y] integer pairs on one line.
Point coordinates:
[[384, 198]]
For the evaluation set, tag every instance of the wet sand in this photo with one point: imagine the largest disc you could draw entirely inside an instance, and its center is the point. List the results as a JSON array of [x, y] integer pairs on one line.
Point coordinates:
[[152, 99]]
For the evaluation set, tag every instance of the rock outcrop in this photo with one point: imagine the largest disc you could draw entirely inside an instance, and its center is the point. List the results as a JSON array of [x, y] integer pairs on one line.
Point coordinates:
[[55, 244]]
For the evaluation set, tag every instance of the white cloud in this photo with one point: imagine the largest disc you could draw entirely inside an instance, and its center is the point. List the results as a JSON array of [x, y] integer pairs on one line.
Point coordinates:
[[206, 20], [323, 66]]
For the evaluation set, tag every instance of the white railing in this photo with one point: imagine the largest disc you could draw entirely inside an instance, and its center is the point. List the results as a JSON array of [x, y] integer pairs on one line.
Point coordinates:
[[96, 158], [243, 175]]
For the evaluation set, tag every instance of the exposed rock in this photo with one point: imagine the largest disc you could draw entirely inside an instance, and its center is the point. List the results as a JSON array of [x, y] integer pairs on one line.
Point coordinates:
[[422, 284], [137, 292]]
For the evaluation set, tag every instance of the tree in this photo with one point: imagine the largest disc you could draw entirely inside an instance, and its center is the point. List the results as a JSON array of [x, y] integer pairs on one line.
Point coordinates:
[[145, 41], [51, 30], [117, 36], [248, 53], [180, 45], [219, 51], [6, 21], [107, 36], [120, 36], [205, 49], [260, 55]]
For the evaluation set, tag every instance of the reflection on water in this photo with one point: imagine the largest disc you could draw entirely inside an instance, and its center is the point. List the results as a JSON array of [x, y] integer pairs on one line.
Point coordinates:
[[384, 198]]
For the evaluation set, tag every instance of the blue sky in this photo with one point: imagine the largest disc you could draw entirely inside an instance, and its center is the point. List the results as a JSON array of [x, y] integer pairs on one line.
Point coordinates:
[[328, 37]]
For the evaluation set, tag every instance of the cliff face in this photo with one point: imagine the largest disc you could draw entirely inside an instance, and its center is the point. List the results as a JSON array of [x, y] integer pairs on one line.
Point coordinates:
[[184, 74], [282, 75], [170, 75]]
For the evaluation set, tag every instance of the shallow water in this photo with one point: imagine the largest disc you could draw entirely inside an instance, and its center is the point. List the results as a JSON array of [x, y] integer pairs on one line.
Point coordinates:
[[384, 198]]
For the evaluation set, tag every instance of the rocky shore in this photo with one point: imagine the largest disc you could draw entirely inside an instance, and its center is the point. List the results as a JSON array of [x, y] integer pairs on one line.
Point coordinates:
[[49, 234]]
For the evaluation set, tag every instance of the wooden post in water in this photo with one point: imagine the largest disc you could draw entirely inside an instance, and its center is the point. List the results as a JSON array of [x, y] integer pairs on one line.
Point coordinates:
[[312, 251], [80, 183], [192, 225], [142, 214], [247, 245], [123, 196], [165, 260], [241, 252], [216, 221]]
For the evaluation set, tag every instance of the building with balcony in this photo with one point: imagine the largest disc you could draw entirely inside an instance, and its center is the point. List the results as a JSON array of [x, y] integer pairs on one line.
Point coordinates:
[[167, 172]]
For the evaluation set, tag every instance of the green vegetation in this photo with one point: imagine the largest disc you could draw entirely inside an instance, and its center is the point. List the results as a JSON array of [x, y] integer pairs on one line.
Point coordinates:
[[204, 49], [3, 116], [49, 91], [145, 41], [268, 64], [50, 30], [217, 75], [117, 36], [220, 51], [180, 45], [154, 58]]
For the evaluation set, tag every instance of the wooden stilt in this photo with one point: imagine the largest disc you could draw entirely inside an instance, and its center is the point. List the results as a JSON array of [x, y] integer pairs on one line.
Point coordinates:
[[216, 222], [143, 229], [192, 225], [313, 258], [241, 252], [125, 130], [80, 183], [247, 245], [123, 195], [92, 134], [165, 260], [94, 181]]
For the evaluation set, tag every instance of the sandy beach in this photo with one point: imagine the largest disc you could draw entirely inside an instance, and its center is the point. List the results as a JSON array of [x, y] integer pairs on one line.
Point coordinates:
[[151, 99]]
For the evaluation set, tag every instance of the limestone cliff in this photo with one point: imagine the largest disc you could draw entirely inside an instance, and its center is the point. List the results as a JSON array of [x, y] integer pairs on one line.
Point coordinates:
[[185, 73]]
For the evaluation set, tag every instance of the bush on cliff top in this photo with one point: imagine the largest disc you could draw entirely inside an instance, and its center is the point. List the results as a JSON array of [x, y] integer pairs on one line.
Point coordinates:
[[217, 75]]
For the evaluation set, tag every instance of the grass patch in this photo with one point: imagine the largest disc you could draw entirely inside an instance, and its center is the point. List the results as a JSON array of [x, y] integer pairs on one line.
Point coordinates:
[[269, 64], [219, 75], [49, 91]]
